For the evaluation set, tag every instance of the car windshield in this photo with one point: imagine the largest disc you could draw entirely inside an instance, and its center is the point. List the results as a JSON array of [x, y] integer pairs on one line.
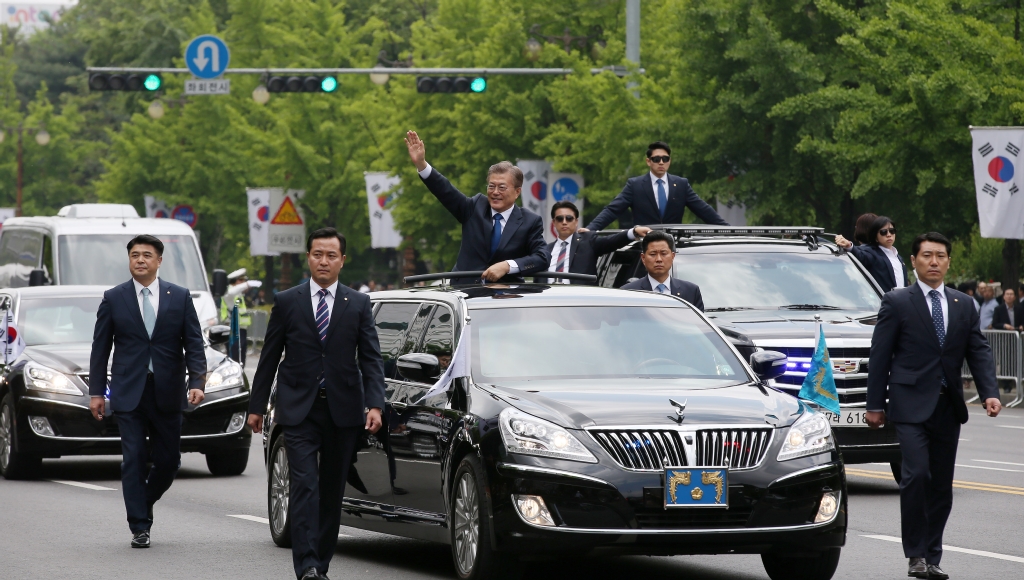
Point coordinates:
[[102, 260], [600, 342], [57, 320], [777, 280]]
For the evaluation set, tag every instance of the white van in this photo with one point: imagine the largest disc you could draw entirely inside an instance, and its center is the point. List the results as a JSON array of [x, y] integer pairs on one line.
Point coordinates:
[[86, 244]]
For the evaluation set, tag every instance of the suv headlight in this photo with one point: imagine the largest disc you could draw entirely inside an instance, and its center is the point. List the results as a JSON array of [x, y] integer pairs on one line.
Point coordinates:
[[43, 378], [529, 435], [226, 376], [810, 435]]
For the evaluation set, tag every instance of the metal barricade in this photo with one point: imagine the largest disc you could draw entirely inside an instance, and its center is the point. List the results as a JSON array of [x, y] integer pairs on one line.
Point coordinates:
[[1009, 359], [258, 328]]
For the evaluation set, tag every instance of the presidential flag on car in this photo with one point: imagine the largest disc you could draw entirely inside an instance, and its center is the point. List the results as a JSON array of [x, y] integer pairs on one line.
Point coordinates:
[[998, 180], [459, 366], [10, 338], [819, 386]]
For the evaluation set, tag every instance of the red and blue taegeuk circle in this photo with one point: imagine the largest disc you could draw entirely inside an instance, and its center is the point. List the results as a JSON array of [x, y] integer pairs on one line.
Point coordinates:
[[539, 190], [1000, 169]]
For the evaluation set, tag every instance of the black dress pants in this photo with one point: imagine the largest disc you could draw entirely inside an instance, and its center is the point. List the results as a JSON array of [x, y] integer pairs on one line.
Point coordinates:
[[319, 456], [926, 491]]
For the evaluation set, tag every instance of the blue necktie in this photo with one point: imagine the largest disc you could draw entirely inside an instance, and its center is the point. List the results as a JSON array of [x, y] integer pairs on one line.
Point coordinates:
[[496, 233], [662, 289], [940, 328], [148, 318], [662, 198], [323, 319]]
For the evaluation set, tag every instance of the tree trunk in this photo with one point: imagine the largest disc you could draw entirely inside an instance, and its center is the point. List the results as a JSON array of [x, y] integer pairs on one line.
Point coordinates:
[[1011, 264]]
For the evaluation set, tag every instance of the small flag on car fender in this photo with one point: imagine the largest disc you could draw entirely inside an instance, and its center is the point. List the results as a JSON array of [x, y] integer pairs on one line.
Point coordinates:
[[819, 386]]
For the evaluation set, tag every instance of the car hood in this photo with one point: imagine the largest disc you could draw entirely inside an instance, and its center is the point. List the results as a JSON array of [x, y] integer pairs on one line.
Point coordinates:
[[578, 404], [789, 324], [73, 358]]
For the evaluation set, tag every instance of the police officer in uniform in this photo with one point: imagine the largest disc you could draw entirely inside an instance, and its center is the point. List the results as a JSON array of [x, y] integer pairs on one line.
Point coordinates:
[[235, 295]]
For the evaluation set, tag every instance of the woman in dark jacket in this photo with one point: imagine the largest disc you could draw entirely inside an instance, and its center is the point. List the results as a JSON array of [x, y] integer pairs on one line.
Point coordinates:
[[862, 228], [879, 256]]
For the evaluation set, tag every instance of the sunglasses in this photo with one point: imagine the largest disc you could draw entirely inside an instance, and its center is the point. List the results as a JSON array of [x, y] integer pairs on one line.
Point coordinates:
[[564, 218], [660, 158], [886, 231]]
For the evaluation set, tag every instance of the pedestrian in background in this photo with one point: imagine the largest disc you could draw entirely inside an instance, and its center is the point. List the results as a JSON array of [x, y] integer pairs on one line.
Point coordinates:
[[658, 249], [970, 288], [988, 304], [154, 331], [577, 252], [879, 256], [923, 336], [1008, 315], [862, 228]]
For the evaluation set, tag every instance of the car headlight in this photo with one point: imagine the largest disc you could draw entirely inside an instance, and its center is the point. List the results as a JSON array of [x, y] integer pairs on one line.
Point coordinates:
[[43, 378], [529, 435], [226, 376], [810, 435]]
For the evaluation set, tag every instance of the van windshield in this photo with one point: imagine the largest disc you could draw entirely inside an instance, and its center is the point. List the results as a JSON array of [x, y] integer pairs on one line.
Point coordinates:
[[102, 260]]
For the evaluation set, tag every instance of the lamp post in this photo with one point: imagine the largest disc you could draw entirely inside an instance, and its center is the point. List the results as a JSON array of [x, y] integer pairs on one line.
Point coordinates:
[[42, 138]]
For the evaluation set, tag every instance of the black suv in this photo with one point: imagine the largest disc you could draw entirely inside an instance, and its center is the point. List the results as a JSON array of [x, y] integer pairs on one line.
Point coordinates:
[[767, 288]]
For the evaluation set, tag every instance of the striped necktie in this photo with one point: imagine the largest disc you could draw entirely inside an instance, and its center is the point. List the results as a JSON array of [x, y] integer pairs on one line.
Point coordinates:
[[323, 318]]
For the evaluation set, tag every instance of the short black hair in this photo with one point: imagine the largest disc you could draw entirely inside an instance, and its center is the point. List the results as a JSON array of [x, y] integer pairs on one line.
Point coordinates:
[[876, 226], [970, 286], [931, 237], [658, 145], [148, 240], [657, 236], [565, 205], [325, 233]]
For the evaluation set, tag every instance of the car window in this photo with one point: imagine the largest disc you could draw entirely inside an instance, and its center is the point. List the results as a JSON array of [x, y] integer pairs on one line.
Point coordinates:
[[392, 321], [57, 320], [621, 267], [412, 338], [440, 336], [20, 251], [102, 259]]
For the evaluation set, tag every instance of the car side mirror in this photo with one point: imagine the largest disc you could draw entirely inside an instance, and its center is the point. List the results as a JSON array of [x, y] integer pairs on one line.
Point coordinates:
[[419, 367], [220, 334], [220, 282], [37, 277], [768, 364]]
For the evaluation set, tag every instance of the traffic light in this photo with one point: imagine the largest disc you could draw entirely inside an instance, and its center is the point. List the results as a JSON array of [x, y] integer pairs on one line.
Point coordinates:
[[125, 82], [451, 85], [297, 84]]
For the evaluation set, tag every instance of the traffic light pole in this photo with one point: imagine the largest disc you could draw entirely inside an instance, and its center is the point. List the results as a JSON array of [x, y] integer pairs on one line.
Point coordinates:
[[618, 71]]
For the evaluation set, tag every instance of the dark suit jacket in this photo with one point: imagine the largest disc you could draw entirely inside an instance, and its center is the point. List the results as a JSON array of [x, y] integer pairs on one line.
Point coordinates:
[[906, 356], [522, 238], [349, 359], [586, 248], [1001, 316], [877, 263], [176, 344], [686, 290], [638, 194]]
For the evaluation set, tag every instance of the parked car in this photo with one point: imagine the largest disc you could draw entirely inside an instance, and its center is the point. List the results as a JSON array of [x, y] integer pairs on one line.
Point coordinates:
[[768, 288], [592, 418], [44, 392]]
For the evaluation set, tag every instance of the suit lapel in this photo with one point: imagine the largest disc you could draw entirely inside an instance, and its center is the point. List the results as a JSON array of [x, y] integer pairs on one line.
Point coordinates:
[[515, 219], [954, 316], [340, 303], [306, 308], [675, 197], [675, 287], [650, 198], [128, 293], [645, 283], [165, 302], [577, 240], [919, 305]]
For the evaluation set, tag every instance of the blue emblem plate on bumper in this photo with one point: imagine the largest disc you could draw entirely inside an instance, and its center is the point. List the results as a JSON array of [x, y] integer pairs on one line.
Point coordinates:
[[701, 487]]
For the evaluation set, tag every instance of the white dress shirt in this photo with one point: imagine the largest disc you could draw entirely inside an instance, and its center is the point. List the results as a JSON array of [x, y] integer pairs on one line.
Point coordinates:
[[897, 267], [667, 283], [654, 186], [332, 293], [154, 296], [942, 300]]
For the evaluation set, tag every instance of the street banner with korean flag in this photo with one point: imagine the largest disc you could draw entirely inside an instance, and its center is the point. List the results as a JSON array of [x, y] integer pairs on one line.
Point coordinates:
[[459, 367], [11, 340], [258, 202], [535, 191], [819, 385], [287, 224], [563, 187], [998, 180], [381, 189]]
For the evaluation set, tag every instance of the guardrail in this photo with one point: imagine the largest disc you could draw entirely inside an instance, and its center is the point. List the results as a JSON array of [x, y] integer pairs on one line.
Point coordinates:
[[1009, 360]]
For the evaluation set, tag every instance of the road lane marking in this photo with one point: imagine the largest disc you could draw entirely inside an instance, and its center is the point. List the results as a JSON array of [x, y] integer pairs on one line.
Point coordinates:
[[999, 462], [260, 520], [1010, 426], [977, 486], [946, 548], [989, 468], [82, 485]]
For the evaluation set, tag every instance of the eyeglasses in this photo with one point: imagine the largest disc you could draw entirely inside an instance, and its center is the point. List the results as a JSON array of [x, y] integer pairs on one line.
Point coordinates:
[[564, 218], [501, 188], [660, 158], [886, 231]]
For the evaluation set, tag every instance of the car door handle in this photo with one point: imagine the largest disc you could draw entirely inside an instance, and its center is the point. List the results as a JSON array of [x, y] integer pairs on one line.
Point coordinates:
[[399, 406]]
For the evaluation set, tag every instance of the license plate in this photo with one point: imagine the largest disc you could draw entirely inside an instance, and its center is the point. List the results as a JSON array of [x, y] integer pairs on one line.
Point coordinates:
[[696, 487], [848, 418]]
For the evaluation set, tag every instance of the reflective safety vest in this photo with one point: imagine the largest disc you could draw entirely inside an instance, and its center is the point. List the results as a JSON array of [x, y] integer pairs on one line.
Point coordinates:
[[244, 320]]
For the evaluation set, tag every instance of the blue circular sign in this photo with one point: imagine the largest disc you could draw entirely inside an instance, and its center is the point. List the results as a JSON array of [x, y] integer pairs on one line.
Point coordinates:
[[207, 56], [565, 189], [186, 214]]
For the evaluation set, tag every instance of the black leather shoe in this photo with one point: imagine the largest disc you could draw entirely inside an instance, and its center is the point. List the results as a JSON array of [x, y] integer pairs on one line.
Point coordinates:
[[311, 574], [936, 573], [141, 539]]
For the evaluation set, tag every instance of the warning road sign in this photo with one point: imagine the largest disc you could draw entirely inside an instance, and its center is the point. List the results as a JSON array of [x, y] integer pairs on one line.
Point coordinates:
[[286, 232], [287, 215]]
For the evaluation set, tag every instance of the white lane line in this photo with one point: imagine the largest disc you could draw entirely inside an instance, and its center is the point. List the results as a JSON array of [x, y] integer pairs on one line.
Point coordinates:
[[990, 468], [962, 439], [1000, 462], [82, 485], [260, 520], [946, 548], [1010, 426]]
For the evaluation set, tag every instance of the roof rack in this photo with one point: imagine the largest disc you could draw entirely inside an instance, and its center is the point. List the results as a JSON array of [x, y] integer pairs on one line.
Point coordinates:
[[689, 231], [478, 273]]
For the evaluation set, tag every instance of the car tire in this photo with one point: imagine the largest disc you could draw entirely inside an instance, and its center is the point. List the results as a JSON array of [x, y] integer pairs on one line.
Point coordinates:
[[228, 462], [278, 489], [14, 465], [897, 470], [472, 552], [783, 567]]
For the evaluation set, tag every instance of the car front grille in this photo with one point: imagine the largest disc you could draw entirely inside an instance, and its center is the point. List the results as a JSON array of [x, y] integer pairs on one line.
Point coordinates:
[[808, 352], [737, 448], [648, 449]]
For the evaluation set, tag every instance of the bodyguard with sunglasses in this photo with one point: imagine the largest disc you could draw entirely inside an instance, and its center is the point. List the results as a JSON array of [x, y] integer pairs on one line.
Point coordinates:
[[879, 256], [577, 252], [657, 197]]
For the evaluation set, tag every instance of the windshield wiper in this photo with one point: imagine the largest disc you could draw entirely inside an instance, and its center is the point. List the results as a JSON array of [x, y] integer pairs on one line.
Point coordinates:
[[809, 307], [728, 309]]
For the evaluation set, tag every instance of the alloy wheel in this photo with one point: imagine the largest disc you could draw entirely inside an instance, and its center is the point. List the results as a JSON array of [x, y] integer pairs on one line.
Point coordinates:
[[5, 437], [467, 524], [279, 489]]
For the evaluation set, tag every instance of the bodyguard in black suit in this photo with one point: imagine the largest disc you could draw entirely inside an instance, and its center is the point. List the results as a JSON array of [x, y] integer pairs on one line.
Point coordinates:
[[155, 334], [577, 252], [498, 237], [923, 336], [657, 252], [879, 255], [657, 197], [330, 386], [1001, 316]]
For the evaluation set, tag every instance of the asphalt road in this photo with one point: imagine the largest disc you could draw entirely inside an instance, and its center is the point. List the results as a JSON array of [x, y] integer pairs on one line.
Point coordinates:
[[71, 524]]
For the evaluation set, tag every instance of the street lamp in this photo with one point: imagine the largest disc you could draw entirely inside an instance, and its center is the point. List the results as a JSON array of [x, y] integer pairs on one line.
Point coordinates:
[[42, 138], [156, 109], [261, 95]]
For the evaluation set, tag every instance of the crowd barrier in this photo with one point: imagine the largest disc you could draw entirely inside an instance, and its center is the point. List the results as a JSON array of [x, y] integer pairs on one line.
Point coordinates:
[[1009, 359], [258, 329]]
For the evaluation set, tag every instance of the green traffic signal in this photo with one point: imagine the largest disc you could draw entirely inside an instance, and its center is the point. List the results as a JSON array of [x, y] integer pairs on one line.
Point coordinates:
[[152, 82], [328, 84], [478, 85]]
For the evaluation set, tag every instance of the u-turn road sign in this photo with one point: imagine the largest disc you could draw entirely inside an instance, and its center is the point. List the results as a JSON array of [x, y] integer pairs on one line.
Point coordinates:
[[207, 56]]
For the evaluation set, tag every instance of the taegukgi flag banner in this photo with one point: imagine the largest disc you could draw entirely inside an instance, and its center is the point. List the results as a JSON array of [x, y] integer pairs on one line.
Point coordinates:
[[999, 179], [381, 189], [258, 201], [535, 191]]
